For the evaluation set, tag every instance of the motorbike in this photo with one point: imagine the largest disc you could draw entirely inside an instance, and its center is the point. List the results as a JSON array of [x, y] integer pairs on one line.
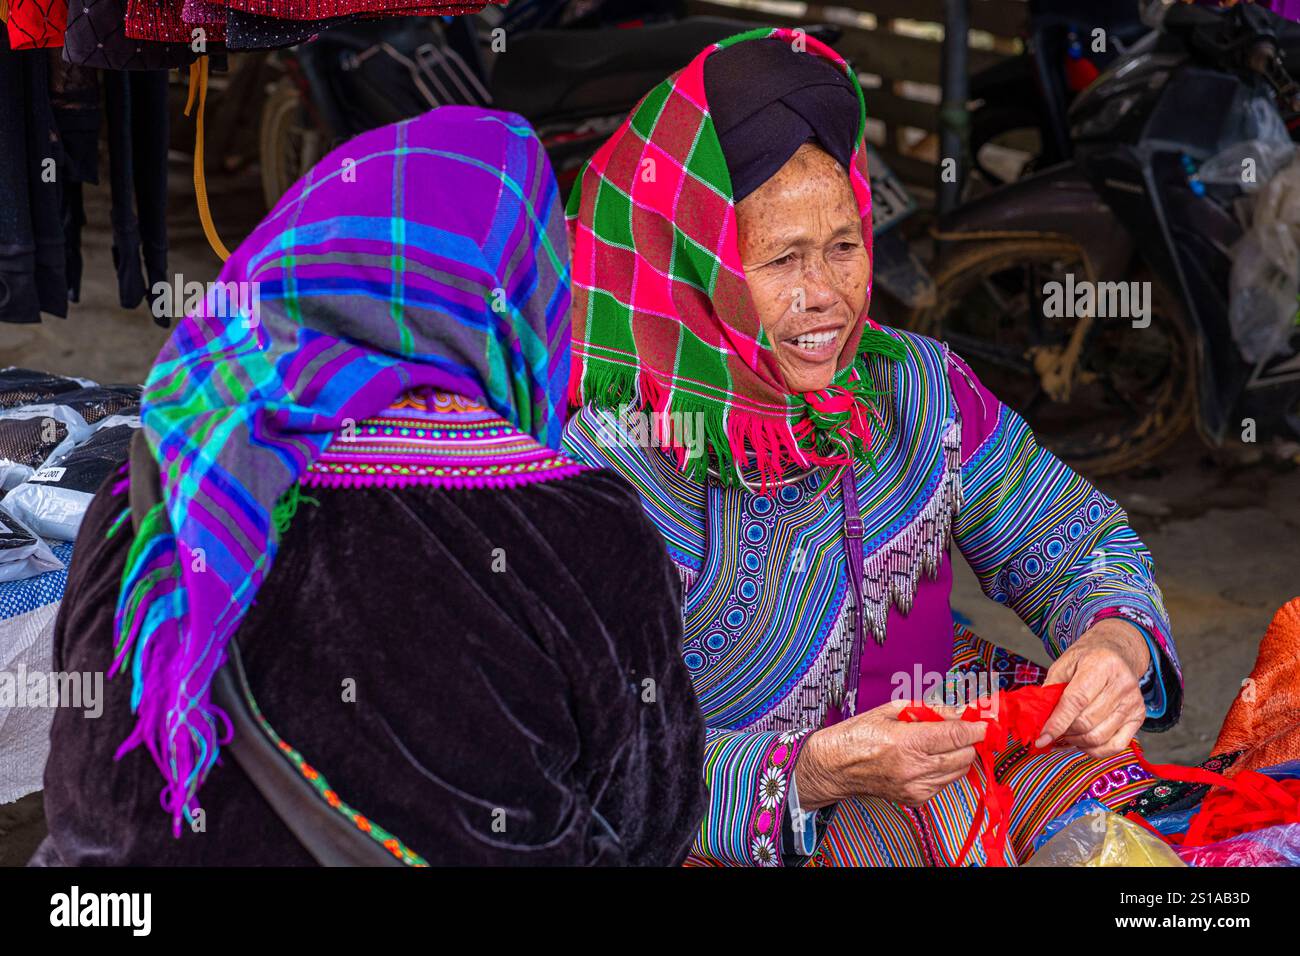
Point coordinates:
[[1094, 296], [1021, 103], [574, 71]]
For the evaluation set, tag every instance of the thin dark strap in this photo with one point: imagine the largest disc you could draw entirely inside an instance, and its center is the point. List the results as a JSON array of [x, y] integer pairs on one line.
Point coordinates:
[[853, 532], [324, 833]]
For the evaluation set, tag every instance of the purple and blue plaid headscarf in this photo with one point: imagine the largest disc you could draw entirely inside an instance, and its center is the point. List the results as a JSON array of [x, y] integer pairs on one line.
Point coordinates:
[[428, 253]]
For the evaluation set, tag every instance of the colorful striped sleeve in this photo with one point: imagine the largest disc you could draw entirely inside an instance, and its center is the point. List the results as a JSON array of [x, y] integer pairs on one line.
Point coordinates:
[[1043, 541], [747, 774]]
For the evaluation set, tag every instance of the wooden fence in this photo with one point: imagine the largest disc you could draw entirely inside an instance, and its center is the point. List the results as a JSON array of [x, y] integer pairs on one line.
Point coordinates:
[[896, 46]]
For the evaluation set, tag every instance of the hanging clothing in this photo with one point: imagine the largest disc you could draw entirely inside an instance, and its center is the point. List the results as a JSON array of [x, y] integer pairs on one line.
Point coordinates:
[[96, 37], [32, 278], [514, 732], [135, 104], [791, 622], [37, 24], [75, 98]]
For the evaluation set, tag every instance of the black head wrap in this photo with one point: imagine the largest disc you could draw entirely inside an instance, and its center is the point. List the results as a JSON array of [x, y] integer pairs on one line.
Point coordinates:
[[767, 100]]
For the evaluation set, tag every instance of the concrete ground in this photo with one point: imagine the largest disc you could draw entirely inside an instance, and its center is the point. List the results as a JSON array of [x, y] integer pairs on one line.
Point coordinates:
[[1224, 537]]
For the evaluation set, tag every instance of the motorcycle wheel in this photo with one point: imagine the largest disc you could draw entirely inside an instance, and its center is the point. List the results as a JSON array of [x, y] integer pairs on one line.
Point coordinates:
[[1133, 390], [288, 146]]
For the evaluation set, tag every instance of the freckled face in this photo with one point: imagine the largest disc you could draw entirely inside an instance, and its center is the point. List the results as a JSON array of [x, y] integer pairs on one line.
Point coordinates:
[[807, 268]]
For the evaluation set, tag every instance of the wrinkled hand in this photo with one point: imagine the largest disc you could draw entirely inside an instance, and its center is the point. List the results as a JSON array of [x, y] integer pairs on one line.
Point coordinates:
[[1101, 708], [876, 754]]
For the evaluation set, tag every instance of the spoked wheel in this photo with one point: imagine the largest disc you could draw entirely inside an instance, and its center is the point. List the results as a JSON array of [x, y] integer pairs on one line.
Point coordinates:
[[1104, 396], [289, 144]]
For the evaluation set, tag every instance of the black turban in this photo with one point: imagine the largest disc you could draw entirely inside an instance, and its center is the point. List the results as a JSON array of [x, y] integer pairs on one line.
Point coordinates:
[[767, 100]]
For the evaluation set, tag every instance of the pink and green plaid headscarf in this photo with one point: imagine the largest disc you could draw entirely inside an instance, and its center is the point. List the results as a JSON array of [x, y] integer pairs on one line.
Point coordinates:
[[662, 317]]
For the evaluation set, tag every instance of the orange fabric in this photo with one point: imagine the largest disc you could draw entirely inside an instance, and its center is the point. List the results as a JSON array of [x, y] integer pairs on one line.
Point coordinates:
[[1264, 720]]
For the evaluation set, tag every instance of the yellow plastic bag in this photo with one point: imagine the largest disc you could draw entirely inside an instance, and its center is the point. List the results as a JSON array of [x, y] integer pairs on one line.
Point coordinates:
[[1102, 838]]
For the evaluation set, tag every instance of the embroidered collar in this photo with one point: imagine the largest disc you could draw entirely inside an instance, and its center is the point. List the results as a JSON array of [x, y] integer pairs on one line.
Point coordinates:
[[436, 439]]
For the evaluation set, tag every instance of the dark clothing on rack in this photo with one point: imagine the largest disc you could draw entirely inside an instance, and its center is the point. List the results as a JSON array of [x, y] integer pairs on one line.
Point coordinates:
[[136, 110], [31, 231]]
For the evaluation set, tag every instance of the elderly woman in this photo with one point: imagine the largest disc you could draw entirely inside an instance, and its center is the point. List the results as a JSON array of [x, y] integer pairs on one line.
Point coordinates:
[[362, 497], [722, 269]]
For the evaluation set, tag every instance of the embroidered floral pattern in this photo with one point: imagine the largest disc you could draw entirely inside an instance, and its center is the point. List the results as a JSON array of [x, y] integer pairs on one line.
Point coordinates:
[[773, 785]]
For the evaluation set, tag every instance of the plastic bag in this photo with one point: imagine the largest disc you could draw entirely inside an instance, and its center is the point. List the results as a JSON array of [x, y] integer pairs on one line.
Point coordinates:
[[1264, 285], [1263, 139], [22, 386], [1090, 835], [22, 553], [53, 501], [1271, 846], [32, 435], [97, 403]]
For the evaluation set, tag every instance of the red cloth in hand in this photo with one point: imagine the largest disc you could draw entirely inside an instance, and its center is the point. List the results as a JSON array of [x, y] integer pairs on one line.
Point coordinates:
[[1246, 802], [1013, 718]]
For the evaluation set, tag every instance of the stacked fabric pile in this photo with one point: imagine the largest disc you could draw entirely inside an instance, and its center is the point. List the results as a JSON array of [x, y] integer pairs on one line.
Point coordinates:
[[109, 33], [60, 439]]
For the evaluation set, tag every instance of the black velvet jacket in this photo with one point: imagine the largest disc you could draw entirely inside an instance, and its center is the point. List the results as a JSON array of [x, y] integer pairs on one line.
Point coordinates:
[[520, 696]]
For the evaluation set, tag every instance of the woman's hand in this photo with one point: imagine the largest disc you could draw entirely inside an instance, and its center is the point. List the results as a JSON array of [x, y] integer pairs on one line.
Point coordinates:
[[1101, 708], [876, 754]]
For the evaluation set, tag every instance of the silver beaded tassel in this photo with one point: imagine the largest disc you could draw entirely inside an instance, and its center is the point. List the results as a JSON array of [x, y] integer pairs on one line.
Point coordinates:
[[892, 572]]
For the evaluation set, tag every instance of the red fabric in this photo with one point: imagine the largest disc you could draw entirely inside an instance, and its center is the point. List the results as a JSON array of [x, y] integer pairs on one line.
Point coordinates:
[[160, 21], [1013, 718], [37, 24], [1246, 802]]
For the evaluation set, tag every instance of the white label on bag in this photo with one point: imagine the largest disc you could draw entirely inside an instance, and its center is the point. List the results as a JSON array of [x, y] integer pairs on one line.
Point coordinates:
[[48, 474]]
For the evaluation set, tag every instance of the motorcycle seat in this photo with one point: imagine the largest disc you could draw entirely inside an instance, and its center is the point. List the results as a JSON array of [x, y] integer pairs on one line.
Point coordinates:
[[556, 75]]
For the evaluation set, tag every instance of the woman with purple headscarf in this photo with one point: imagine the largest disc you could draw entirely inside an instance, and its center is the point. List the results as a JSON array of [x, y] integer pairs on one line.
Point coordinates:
[[352, 499]]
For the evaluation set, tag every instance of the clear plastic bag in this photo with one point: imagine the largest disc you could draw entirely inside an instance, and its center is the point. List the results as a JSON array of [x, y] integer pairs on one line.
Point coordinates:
[[1271, 846], [1090, 835], [1264, 149], [1265, 281]]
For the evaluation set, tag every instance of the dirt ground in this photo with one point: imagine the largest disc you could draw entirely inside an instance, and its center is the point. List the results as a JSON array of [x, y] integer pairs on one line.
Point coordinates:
[[1225, 538]]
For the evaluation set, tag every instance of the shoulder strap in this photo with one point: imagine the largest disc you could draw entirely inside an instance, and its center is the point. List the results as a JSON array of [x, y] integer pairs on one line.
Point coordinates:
[[325, 834]]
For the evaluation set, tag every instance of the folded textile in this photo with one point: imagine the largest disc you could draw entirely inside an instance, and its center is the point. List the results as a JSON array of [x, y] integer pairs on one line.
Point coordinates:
[[1264, 720], [28, 609], [23, 386], [32, 435], [98, 402]]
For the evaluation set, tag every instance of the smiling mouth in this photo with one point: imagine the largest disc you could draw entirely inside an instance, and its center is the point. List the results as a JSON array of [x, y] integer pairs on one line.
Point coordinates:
[[817, 347], [812, 341]]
